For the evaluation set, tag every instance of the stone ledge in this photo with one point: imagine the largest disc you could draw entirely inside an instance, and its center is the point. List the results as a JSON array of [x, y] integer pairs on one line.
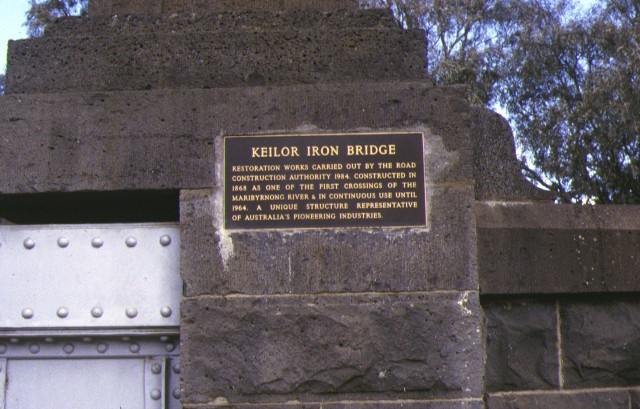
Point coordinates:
[[213, 60], [111, 7], [527, 248], [158, 140], [596, 399], [332, 348], [386, 404], [228, 22]]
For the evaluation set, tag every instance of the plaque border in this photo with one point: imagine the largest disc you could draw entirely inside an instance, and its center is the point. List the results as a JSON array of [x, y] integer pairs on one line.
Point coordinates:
[[330, 134]]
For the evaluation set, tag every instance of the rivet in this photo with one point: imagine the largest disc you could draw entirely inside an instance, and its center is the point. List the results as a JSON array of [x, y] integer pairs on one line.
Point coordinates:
[[14, 340], [131, 312], [27, 313], [87, 339], [131, 241], [102, 347], [169, 347], [176, 393], [164, 338], [63, 242], [3, 349], [155, 394], [156, 369], [134, 348], [29, 243], [97, 242], [49, 340], [126, 339], [62, 312], [96, 312], [68, 349], [165, 240], [34, 348], [176, 368], [166, 312]]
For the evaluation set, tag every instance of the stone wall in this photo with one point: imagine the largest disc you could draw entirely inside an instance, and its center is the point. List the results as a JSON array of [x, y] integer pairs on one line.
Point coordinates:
[[557, 284], [503, 300], [122, 104]]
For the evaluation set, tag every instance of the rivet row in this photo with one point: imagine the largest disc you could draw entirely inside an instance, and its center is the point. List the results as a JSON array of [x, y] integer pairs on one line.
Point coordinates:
[[102, 347], [96, 312], [97, 242]]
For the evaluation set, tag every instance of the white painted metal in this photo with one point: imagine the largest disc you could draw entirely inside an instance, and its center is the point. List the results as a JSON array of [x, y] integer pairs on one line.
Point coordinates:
[[173, 383], [75, 384], [89, 276], [88, 347], [154, 383], [89, 316]]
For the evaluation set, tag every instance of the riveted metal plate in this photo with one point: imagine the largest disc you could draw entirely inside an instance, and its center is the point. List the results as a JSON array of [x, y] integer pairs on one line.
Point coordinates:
[[173, 383], [154, 383], [75, 383], [124, 347], [91, 372], [89, 276]]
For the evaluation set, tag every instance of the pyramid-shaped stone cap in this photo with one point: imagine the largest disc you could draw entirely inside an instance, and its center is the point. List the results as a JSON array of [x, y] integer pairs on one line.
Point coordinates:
[[213, 49], [121, 7]]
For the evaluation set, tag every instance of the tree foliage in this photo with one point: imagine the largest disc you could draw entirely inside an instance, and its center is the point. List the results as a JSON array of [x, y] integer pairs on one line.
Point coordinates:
[[462, 46], [569, 81], [43, 12], [572, 90]]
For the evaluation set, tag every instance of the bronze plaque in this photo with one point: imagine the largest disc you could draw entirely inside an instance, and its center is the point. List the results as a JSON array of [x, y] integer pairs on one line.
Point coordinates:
[[322, 181]]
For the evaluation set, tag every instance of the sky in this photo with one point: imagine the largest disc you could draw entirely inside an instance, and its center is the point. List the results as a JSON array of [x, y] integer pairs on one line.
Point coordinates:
[[12, 17]]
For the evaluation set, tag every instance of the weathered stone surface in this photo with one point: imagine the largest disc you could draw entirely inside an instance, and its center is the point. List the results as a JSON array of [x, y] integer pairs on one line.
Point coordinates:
[[615, 399], [546, 248], [111, 7], [400, 404], [601, 343], [521, 346], [490, 132], [240, 58], [332, 260], [635, 399], [331, 348], [228, 22], [198, 255], [157, 140]]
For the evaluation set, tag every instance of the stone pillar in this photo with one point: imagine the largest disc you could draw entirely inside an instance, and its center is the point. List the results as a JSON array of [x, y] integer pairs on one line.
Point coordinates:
[[139, 97]]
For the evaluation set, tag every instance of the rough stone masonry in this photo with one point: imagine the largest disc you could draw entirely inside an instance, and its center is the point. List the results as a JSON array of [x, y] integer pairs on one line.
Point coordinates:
[[131, 104], [137, 98]]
